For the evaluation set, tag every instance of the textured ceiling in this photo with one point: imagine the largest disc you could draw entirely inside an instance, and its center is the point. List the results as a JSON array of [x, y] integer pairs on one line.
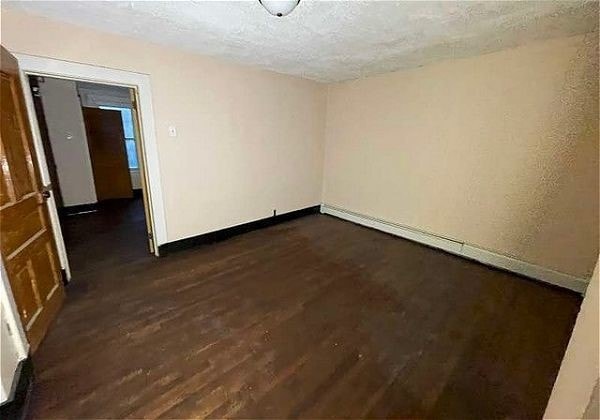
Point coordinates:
[[330, 40]]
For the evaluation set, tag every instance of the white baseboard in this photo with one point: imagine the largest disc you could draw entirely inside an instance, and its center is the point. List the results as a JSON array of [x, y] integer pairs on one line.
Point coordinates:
[[462, 249]]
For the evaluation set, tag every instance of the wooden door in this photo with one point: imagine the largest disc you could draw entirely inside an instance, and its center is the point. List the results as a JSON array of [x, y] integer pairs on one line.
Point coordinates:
[[106, 142], [26, 241]]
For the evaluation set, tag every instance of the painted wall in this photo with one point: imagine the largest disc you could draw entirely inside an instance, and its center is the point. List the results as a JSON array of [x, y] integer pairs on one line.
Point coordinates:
[[499, 151], [249, 141], [575, 392], [13, 344], [9, 359], [68, 139], [503, 160]]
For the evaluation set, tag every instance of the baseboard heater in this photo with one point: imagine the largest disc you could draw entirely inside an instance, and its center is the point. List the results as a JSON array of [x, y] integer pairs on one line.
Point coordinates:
[[462, 249]]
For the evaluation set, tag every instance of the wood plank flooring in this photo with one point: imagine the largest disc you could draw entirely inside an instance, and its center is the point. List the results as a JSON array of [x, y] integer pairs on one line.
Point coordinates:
[[313, 318]]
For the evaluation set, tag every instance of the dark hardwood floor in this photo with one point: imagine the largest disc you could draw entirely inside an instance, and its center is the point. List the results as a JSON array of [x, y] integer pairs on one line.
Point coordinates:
[[313, 318]]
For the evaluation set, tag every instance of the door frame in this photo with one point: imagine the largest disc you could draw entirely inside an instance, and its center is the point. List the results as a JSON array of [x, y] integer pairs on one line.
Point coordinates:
[[9, 305], [140, 82]]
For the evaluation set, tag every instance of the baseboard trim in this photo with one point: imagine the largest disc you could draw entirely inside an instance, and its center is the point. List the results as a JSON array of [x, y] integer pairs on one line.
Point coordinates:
[[219, 235], [462, 249], [78, 209], [16, 405]]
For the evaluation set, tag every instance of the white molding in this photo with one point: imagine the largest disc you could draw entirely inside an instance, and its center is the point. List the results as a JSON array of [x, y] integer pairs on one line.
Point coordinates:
[[462, 249], [407, 232], [13, 319], [44, 66], [524, 268], [13, 343]]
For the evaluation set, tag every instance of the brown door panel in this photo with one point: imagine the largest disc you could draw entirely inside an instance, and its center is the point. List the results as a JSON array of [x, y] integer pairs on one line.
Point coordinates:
[[26, 241], [4, 197], [106, 142], [23, 289], [46, 267], [37, 274], [20, 223], [15, 143]]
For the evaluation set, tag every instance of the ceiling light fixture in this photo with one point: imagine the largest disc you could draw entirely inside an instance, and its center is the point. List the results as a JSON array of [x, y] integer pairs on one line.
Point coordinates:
[[279, 8]]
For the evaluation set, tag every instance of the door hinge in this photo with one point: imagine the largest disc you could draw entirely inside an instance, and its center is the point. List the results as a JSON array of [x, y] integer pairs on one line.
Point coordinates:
[[150, 236]]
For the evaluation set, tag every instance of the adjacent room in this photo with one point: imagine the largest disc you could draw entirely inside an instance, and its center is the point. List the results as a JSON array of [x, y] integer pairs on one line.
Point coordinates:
[[299, 209], [90, 138]]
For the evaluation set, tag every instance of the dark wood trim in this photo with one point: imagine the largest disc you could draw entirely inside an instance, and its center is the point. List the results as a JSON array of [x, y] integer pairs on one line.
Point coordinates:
[[16, 405], [219, 235], [71, 210]]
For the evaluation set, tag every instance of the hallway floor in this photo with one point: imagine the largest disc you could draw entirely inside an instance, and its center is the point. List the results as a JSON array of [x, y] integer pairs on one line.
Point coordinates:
[[312, 318]]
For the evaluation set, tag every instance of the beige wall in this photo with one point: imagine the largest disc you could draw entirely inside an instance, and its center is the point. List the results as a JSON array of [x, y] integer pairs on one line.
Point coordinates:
[[499, 151], [10, 356], [575, 393], [249, 141], [13, 345]]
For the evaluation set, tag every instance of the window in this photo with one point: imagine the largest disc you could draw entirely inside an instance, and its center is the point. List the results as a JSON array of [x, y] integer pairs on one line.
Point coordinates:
[[127, 119]]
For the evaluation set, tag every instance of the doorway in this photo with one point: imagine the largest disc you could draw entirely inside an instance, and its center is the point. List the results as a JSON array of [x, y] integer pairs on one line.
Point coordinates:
[[50, 67], [93, 148], [34, 262]]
